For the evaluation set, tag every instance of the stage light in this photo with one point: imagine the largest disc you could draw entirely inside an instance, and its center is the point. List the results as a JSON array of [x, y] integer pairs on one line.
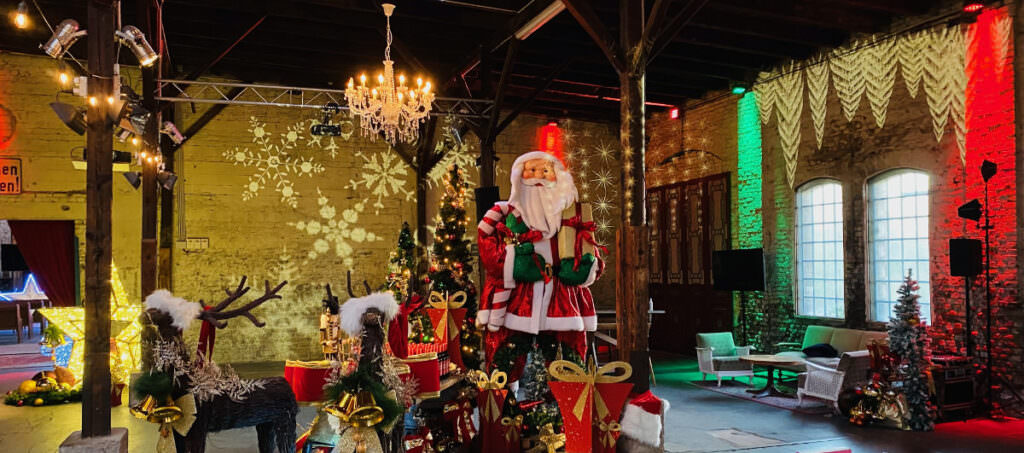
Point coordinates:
[[988, 170], [20, 16], [136, 41], [170, 130], [973, 6], [134, 117], [134, 178], [970, 210], [71, 116], [167, 179], [674, 113], [64, 36], [739, 88]]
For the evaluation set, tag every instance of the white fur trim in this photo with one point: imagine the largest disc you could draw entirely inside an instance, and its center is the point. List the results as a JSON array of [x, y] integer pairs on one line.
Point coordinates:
[[509, 267], [592, 277], [590, 323], [181, 310], [643, 426], [352, 311]]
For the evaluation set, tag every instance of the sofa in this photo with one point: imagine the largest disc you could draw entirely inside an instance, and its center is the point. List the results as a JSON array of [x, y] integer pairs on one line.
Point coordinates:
[[843, 340]]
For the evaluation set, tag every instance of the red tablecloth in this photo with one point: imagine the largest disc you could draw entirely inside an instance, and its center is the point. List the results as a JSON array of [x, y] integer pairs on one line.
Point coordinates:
[[307, 379]]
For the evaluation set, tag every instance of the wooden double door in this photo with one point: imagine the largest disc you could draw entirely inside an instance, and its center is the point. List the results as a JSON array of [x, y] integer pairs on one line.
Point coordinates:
[[688, 221]]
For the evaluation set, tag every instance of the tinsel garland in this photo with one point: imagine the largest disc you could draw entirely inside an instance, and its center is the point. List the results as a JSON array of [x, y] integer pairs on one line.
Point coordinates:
[[879, 77], [58, 396], [848, 76], [790, 105], [910, 54]]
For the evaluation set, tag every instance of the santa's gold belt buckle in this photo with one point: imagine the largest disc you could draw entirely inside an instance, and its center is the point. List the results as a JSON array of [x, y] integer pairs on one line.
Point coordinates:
[[548, 270]]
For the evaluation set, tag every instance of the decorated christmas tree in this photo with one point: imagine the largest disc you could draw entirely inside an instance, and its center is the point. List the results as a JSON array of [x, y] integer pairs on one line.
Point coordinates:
[[452, 259], [402, 264], [908, 339]]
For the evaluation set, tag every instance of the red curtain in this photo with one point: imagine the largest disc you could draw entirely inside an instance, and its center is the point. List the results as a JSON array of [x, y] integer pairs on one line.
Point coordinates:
[[49, 247]]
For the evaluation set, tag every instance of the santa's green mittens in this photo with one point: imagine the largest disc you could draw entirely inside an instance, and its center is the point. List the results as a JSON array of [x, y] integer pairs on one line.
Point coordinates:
[[579, 276], [528, 265]]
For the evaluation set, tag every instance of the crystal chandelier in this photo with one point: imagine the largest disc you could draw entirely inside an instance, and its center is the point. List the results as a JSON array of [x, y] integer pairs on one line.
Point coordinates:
[[392, 109]]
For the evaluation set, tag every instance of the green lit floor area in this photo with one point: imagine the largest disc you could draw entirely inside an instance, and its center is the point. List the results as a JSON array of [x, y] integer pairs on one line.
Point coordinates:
[[703, 420]]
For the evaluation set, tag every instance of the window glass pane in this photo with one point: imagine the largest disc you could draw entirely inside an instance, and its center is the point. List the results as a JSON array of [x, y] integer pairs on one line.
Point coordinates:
[[819, 239], [898, 239]]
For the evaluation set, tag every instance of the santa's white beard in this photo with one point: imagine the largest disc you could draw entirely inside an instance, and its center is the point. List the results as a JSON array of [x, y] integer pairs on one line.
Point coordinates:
[[541, 206]]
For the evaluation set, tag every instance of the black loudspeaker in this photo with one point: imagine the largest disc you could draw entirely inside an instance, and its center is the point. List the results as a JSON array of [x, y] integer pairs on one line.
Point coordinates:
[[738, 270], [485, 199], [964, 257]]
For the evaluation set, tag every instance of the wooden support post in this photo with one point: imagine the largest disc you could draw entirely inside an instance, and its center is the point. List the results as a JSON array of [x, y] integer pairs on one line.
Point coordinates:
[[151, 145], [165, 274], [98, 189], [632, 301]]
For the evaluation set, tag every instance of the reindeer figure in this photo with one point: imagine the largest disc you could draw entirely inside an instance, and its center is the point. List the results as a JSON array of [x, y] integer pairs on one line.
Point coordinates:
[[270, 406]]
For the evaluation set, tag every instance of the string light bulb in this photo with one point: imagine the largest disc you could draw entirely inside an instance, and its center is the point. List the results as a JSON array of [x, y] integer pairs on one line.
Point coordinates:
[[20, 16]]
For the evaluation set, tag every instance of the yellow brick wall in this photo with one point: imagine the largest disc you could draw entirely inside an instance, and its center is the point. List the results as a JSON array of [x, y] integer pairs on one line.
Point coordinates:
[[309, 219]]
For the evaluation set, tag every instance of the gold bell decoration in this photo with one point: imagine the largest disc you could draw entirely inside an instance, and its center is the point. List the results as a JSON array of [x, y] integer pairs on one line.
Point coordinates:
[[366, 412], [174, 415], [342, 407]]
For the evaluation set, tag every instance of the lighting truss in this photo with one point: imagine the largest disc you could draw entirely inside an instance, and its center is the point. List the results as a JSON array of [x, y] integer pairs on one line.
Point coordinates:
[[231, 93]]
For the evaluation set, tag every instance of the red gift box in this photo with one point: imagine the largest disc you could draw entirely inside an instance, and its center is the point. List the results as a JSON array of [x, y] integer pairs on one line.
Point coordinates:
[[424, 368], [447, 314], [307, 379], [491, 401], [579, 395]]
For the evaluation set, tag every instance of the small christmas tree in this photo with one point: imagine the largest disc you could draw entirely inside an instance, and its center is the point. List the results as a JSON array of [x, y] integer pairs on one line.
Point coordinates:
[[451, 258], [908, 340], [402, 264], [535, 376]]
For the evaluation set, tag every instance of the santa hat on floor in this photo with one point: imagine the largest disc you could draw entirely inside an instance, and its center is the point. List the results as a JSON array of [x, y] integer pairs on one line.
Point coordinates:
[[641, 421]]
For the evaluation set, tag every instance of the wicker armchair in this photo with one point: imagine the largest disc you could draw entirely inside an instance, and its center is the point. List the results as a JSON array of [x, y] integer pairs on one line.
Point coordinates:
[[827, 383], [718, 355]]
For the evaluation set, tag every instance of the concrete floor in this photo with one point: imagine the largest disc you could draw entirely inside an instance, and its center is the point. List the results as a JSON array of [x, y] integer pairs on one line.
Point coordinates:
[[695, 415]]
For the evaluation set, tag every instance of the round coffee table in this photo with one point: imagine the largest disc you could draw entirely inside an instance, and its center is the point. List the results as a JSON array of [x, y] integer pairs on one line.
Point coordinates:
[[770, 362]]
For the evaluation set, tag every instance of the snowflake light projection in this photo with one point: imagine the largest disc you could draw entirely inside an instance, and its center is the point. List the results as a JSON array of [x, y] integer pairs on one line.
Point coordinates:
[[273, 163], [331, 232], [458, 152], [592, 169], [384, 177]]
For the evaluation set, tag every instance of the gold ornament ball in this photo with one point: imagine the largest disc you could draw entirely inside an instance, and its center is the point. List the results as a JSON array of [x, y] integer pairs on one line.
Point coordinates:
[[38, 402], [27, 387]]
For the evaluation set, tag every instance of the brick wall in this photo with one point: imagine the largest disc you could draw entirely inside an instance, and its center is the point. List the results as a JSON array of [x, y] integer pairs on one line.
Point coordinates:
[[274, 202], [855, 151]]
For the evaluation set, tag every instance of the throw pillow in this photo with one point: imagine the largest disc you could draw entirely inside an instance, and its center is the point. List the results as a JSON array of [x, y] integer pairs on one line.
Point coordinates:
[[821, 350]]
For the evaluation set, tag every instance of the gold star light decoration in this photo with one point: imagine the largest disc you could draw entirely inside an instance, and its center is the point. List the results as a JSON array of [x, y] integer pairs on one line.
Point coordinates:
[[125, 332]]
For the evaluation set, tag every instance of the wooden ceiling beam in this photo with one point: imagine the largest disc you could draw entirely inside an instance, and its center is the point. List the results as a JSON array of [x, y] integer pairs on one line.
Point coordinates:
[[527, 101], [674, 28], [802, 12], [890, 7], [591, 23]]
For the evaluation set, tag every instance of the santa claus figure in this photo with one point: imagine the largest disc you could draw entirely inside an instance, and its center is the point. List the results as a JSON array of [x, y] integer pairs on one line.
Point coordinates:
[[529, 287]]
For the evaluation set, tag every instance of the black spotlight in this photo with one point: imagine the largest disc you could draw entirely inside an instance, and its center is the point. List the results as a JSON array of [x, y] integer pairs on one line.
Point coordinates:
[[970, 210], [167, 179], [71, 116], [134, 178], [988, 170]]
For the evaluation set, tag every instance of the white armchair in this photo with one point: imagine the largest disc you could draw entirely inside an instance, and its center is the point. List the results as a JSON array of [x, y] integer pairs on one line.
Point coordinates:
[[718, 355], [826, 383]]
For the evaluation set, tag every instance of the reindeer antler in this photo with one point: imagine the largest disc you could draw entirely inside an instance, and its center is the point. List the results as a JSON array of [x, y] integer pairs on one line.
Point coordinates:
[[218, 317]]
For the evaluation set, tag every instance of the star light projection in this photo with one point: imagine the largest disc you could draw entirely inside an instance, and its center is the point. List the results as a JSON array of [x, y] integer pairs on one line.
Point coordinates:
[[125, 332]]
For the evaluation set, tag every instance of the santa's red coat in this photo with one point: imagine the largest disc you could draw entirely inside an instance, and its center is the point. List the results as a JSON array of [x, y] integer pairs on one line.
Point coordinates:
[[530, 307]]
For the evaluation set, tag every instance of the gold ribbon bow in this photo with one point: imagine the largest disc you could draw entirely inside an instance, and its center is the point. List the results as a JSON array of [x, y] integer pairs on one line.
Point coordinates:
[[514, 424], [609, 373], [551, 440], [496, 381], [446, 328], [187, 404], [608, 431]]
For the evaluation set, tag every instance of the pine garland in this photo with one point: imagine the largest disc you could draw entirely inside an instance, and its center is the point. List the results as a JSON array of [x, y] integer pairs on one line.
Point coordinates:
[[908, 339]]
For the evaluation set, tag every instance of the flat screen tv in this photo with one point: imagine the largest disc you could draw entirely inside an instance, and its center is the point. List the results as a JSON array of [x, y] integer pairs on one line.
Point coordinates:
[[738, 270], [11, 259]]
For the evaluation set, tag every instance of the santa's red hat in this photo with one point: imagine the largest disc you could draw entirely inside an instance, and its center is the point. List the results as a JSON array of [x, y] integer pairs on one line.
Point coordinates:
[[642, 418]]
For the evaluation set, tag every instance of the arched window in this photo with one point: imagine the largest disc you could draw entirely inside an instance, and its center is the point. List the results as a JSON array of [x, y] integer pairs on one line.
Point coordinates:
[[819, 244], [897, 239]]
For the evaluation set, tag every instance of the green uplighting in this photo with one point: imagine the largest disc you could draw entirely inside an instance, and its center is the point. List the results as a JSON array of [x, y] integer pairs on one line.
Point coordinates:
[[739, 89], [748, 172]]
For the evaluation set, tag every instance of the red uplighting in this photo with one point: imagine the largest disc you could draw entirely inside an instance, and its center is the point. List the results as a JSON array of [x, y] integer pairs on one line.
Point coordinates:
[[973, 7], [674, 113]]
